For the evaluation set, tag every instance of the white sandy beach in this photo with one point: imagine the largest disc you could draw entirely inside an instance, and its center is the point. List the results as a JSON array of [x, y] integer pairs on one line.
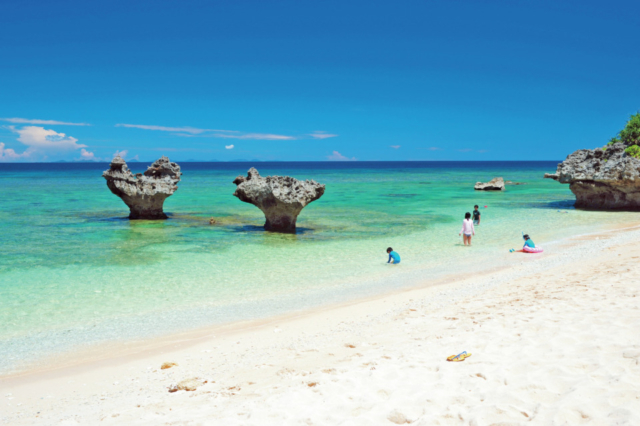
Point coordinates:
[[555, 340]]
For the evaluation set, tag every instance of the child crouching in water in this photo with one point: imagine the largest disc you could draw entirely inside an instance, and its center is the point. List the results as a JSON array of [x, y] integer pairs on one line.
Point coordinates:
[[393, 256], [528, 242], [467, 229]]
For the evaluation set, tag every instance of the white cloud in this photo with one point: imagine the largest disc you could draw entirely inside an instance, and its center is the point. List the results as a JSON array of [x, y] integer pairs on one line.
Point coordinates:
[[322, 135], [257, 136], [187, 129], [9, 154], [228, 146], [395, 146], [336, 156], [214, 133], [17, 120], [87, 156], [43, 139], [122, 153]]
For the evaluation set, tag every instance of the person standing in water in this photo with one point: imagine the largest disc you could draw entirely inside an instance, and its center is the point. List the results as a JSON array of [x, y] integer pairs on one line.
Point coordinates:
[[467, 229], [476, 215], [393, 256]]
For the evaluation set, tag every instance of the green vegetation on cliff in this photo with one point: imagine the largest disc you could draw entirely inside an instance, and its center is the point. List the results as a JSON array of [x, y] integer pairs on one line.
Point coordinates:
[[630, 135], [633, 150]]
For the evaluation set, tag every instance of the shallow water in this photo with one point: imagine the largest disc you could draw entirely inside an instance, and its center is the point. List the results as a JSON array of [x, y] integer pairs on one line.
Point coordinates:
[[75, 271]]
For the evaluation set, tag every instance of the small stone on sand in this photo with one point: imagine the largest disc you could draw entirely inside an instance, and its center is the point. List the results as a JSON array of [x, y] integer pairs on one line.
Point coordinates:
[[166, 365]]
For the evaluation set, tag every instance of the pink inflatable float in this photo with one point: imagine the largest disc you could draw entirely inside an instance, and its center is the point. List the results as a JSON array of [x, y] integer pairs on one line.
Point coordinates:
[[528, 249]]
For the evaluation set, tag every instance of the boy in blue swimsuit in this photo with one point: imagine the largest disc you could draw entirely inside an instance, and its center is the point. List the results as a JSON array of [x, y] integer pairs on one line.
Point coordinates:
[[528, 242], [393, 256]]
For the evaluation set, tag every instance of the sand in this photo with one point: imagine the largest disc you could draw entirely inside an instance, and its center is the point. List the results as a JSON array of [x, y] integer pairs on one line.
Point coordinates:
[[555, 340]]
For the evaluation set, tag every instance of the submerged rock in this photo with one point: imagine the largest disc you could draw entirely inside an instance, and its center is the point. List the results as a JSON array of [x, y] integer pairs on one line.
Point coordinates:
[[281, 198], [495, 184], [143, 193], [601, 178]]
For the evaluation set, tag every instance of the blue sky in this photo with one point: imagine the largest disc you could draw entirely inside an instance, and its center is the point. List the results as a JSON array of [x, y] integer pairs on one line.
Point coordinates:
[[314, 81]]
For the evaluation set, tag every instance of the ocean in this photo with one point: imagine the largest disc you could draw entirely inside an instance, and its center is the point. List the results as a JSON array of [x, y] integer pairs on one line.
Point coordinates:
[[75, 272]]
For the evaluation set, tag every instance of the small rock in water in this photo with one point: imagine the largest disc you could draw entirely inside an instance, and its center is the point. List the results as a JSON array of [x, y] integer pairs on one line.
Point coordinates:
[[495, 184]]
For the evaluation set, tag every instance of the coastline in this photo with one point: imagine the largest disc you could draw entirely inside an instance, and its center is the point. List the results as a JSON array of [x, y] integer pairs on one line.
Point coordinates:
[[297, 342], [122, 349]]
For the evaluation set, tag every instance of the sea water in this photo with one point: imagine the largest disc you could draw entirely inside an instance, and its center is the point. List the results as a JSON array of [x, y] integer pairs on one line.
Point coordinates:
[[74, 271]]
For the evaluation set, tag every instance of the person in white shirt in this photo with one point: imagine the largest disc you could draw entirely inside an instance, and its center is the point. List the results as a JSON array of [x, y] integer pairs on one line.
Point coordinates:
[[467, 229]]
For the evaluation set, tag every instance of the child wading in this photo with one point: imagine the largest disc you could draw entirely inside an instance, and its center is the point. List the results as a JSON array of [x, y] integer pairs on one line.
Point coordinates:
[[393, 256], [476, 215], [467, 229]]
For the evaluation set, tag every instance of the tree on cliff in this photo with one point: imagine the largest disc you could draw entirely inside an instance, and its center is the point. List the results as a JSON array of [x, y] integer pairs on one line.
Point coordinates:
[[630, 136]]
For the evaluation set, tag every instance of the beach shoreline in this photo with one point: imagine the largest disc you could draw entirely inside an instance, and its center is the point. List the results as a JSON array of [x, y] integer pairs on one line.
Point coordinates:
[[138, 348], [238, 354]]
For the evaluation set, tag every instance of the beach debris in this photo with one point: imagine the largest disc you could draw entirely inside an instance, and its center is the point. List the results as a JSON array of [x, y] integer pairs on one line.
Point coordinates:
[[212, 221], [281, 198], [495, 184], [408, 415], [605, 178], [349, 345], [187, 384], [143, 193], [166, 365], [458, 358]]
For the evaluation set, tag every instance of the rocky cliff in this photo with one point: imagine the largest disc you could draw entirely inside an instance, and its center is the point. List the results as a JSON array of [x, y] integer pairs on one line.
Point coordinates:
[[143, 193], [281, 198], [602, 178]]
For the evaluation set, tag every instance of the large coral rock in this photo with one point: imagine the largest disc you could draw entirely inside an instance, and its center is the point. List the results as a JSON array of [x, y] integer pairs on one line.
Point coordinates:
[[601, 178], [281, 198], [495, 184], [143, 193]]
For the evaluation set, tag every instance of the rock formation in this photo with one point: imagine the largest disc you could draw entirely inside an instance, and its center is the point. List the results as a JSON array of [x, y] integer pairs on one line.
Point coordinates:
[[281, 198], [143, 193], [495, 184], [602, 178]]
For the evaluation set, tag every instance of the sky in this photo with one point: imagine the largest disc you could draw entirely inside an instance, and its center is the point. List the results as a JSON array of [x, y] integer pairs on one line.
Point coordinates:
[[314, 81]]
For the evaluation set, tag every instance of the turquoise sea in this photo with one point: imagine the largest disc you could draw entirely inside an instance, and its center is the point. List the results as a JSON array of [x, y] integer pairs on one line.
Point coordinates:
[[74, 271]]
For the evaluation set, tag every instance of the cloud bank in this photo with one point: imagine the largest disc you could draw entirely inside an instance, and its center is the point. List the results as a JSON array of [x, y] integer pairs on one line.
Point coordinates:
[[336, 156], [41, 143], [17, 120], [47, 140], [8, 154], [186, 129], [318, 134], [226, 134]]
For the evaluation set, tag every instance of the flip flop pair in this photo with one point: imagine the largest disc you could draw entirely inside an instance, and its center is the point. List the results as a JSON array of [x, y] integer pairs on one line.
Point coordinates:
[[460, 357]]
